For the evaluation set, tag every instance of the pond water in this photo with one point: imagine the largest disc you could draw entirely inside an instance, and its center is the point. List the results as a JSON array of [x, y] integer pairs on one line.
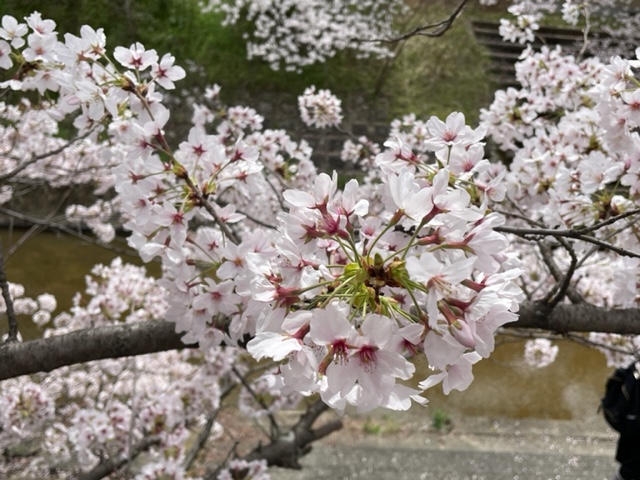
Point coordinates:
[[504, 385], [52, 263]]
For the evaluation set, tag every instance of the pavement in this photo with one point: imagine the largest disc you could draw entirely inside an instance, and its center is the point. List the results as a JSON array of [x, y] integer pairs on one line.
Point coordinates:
[[407, 447]]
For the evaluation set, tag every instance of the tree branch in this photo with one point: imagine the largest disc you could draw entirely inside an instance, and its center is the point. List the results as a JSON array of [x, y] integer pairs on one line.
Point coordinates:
[[287, 451], [275, 428], [549, 232], [108, 466], [547, 256], [608, 221], [35, 158], [47, 354], [557, 293], [66, 229], [579, 318], [432, 30], [578, 338], [12, 336], [201, 439]]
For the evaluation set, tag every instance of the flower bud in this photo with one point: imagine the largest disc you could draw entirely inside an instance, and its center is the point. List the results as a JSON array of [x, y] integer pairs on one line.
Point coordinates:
[[462, 333]]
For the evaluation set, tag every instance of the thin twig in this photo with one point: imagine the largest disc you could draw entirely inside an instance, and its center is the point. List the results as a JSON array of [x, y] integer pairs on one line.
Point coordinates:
[[547, 232], [594, 249], [255, 220], [42, 156], [109, 466], [12, 336], [573, 337], [547, 256], [439, 28], [198, 445], [134, 414], [551, 300], [355, 139], [35, 229], [585, 33], [275, 428], [63, 228], [606, 222]]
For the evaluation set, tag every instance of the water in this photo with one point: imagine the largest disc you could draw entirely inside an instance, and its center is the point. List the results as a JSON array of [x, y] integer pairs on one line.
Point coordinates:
[[52, 263], [504, 385]]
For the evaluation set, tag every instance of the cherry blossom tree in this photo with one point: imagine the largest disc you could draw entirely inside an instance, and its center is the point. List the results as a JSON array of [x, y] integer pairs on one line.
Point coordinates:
[[332, 291]]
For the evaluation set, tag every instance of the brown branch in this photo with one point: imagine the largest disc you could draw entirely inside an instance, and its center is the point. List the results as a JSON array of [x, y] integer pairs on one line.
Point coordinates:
[[547, 257], [42, 156], [275, 428], [47, 354], [578, 318], [585, 33], [109, 466], [286, 451], [68, 230], [12, 336], [439, 28], [37, 228], [549, 232], [557, 293], [608, 221], [578, 338], [203, 435]]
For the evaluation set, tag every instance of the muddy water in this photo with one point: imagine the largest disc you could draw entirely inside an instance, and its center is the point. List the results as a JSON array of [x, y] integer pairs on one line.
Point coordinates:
[[51, 263], [504, 385]]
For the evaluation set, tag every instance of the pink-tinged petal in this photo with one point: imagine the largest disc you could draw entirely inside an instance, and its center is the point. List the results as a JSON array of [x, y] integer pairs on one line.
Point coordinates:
[[460, 375], [442, 350], [298, 198], [379, 329], [400, 398], [456, 272], [272, 345], [432, 380], [463, 333], [330, 324]]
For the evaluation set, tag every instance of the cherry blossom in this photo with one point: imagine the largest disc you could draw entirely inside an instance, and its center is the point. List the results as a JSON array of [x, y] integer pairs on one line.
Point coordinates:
[[321, 109], [290, 35], [336, 290], [540, 352]]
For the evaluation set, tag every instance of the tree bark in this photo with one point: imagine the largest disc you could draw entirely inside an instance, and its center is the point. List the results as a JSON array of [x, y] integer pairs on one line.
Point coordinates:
[[47, 354], [579, 318]]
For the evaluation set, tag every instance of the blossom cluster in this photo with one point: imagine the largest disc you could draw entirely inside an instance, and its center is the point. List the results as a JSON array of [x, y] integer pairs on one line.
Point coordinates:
[[83, 414], [291, 34], [339, 295], [340, 289], [571, 133], [38, 309], [33, 152], [616, 20], [321, 109], [540, 352]]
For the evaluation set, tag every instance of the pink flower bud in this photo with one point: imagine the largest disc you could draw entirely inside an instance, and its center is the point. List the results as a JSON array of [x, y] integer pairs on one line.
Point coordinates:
[[462, 332]]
